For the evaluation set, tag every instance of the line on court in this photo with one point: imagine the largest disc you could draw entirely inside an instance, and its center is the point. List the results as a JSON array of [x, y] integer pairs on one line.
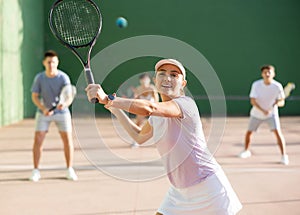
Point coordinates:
[[229, 169], [42, 167], [260, 170], [271, 202], [121, 212]]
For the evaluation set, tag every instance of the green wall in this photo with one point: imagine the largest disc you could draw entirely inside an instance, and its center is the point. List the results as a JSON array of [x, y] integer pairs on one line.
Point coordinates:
[[21, 49], [32, 49], [235, 36], [11, 94]]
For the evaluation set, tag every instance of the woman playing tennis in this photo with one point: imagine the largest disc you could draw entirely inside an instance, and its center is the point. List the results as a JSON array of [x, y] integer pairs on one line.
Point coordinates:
[[198, 183]]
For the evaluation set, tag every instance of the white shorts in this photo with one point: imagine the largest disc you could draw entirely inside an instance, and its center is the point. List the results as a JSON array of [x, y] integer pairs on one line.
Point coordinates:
[[62, 120], [214, 196], [273, 123]]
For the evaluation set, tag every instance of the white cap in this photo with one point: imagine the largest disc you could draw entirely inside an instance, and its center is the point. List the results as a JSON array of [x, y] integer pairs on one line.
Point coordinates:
[[172, 62]]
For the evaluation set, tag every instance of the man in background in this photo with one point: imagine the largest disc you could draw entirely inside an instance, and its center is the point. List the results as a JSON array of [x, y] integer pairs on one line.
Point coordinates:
[[45, 90], [266, 96]]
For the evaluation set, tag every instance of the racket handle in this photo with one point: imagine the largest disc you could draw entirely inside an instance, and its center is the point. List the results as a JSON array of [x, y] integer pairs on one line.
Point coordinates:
[[90, 80], [89, 76], [53, 108]]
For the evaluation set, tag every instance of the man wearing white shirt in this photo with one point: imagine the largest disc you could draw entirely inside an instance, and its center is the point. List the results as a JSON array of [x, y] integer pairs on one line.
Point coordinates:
[[266, 96]]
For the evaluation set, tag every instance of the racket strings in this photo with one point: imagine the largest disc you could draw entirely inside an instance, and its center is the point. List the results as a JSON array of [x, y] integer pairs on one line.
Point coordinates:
[[76, 22]]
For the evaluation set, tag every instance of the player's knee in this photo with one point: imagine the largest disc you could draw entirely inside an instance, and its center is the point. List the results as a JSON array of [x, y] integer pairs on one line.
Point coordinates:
[[39, 136], [248, 133]]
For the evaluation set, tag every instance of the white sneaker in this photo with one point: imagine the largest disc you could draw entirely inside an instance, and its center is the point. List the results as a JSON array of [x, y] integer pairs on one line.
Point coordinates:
[[71, 175], [245, 154], [35, 175], [285, 160]]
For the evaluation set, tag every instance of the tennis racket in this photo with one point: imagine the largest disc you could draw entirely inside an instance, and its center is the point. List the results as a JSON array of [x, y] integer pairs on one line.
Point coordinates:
[[288, 89], [65, 98], [77, 25]]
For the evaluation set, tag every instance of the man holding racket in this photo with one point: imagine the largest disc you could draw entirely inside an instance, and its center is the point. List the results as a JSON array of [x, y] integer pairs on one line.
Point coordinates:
[[266, 96], [147, 91], [199, 185], [46, 90]]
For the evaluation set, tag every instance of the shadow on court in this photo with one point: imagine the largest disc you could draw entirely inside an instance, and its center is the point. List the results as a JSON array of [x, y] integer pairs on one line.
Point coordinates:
[[263, 185]]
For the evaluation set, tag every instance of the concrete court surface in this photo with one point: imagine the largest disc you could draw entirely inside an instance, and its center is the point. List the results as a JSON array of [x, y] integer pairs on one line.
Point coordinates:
[[263, 185]]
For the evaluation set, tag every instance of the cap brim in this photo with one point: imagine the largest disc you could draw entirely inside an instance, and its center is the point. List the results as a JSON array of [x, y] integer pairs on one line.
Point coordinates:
[[172, 62]]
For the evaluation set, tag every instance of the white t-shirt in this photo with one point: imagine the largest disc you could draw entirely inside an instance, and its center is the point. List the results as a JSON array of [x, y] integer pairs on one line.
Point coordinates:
[[182, 146], [266, 96]]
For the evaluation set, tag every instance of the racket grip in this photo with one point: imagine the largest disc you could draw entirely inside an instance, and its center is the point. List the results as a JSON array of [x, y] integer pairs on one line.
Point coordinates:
[[53, 108], [90, 80], [89, 76]]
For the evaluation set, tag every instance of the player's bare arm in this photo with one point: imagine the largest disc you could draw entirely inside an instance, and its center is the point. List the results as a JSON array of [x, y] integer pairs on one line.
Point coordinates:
[[36, 101], [280, 102], [139, 134], [135, 106]]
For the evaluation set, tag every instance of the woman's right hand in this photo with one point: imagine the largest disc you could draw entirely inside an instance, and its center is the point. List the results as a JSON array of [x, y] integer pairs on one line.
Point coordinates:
[[96, 91]]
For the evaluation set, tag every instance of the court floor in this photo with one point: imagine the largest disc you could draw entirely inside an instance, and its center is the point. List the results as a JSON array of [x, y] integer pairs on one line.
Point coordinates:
[[117, 179]]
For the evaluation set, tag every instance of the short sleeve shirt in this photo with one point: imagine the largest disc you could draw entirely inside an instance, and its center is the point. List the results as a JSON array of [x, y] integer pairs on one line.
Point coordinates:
[[182, 145], [266, 96], [49, 88]]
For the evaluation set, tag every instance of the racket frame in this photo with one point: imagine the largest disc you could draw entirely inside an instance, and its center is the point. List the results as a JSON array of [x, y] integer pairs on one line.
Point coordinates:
[[288, 88], [56, 103], [86, 63]]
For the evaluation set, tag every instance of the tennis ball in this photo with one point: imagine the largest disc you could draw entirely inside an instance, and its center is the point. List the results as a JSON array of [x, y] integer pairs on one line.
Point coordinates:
[[121, 22]]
